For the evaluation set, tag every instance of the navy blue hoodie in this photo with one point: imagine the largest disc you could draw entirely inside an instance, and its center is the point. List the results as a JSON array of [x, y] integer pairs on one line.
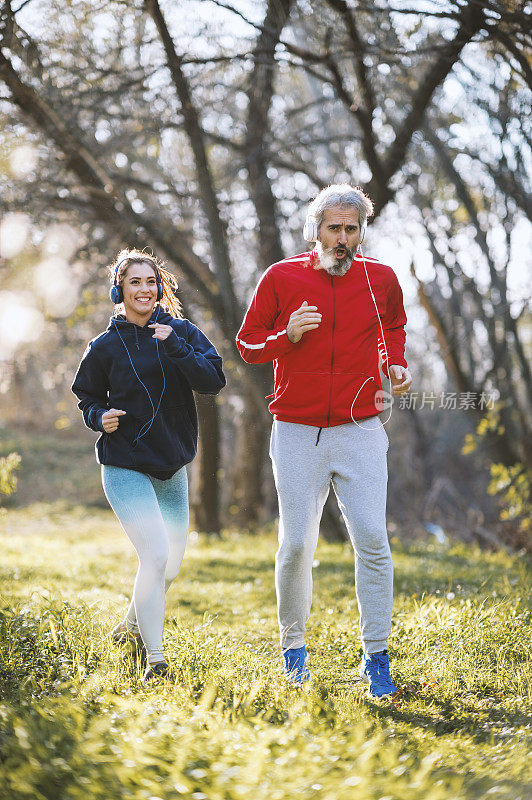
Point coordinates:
[[106, 379]]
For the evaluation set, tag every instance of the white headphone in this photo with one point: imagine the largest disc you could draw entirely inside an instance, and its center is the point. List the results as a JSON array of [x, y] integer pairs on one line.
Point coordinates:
[[384, 397], [310, 230]]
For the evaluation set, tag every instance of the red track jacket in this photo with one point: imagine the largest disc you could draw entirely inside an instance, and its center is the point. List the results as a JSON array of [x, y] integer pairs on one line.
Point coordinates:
[[317, 379]]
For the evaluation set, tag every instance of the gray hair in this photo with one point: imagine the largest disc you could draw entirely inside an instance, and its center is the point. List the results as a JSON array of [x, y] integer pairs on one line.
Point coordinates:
[[345, 196]]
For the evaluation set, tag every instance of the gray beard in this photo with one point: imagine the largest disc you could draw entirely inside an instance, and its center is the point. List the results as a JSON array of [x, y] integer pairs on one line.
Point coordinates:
[[330, 263]]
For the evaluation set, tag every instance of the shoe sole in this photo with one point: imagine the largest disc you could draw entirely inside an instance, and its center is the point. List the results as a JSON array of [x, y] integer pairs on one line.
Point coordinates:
[[364, 678]]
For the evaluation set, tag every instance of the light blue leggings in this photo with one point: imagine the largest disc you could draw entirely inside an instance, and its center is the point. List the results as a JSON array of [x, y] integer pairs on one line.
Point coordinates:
[[154, 515]]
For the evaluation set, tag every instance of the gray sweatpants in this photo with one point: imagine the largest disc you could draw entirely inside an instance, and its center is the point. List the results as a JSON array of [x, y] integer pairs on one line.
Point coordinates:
[[353, 458]]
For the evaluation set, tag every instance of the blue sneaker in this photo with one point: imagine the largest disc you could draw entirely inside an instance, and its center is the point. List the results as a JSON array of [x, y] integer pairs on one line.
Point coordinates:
[[375, 670], [295, 665]]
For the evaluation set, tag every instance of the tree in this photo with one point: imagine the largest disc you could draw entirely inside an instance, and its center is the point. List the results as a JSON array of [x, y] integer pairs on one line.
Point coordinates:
[[207, 148], [8, 479]]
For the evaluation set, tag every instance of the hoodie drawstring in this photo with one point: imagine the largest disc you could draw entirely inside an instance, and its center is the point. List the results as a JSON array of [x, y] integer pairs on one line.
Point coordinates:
[[137, 338]]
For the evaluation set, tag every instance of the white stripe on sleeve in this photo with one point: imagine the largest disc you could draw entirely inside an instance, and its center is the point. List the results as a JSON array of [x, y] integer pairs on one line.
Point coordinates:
[[263, 344]]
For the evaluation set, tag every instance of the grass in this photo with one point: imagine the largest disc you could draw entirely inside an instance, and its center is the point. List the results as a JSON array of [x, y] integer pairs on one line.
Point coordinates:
[[75, 721], [55, 463]]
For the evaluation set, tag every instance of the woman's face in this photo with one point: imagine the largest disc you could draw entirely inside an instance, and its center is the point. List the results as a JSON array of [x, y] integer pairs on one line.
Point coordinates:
[[140, 292]]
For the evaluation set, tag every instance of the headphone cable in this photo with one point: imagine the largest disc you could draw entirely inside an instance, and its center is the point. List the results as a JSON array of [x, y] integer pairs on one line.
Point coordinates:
[[154, 410], [386, 361]]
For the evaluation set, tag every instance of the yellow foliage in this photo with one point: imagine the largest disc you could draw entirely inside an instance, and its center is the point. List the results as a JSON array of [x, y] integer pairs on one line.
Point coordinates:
[[8, 481], [469, 445], [514, 484]]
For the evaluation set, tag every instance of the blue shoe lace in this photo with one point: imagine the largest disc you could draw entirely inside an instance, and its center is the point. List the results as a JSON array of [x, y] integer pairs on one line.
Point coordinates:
[[376, 670], [295, 664]]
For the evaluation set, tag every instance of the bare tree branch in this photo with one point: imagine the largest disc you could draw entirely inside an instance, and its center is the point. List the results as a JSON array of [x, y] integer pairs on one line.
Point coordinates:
[[112, 207], [358, 50], [472, 18], [196, 137], [443, 334], [260, 95], [510, 45]]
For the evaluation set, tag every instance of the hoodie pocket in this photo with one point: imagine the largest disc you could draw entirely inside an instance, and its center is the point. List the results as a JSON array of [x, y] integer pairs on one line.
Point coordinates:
[[117, 446], [167, 440], [303, 394], [353, 395]]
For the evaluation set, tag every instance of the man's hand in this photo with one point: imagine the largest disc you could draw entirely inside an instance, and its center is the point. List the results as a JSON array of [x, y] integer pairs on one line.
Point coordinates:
[[306, 318], [162, 332], [110, 419], [401, 379]]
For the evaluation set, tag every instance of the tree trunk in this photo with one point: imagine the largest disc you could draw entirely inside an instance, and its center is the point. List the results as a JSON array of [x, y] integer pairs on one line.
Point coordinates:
[[207, 500], [248, 468]]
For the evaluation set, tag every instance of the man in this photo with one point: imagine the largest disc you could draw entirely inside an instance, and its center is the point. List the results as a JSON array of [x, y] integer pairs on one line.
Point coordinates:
[[315, 315]]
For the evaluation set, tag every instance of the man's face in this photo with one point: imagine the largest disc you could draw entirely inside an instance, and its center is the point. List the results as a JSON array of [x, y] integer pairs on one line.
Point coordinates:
[[339, 235]]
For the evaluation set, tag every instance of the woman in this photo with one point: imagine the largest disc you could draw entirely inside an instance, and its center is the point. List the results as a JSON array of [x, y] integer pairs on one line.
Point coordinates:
[[134, 384]]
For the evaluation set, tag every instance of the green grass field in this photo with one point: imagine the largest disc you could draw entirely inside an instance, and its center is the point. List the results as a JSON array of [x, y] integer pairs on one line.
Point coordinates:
[[76, 724]]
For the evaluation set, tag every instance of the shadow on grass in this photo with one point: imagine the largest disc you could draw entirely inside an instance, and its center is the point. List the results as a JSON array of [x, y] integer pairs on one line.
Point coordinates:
[[497, 722], [226, 570]]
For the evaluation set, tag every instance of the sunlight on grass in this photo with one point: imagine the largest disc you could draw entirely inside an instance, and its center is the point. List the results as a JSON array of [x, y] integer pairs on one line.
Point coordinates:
[[75, 721]]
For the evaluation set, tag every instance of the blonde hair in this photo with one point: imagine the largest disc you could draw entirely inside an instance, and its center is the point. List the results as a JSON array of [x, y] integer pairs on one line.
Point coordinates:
[[127, 257]]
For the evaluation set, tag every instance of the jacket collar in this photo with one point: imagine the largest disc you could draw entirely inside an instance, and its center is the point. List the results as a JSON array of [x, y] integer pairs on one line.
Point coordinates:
[[158, 315]]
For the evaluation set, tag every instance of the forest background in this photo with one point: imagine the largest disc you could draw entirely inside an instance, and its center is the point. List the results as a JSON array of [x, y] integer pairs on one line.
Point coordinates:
[[201, 129]]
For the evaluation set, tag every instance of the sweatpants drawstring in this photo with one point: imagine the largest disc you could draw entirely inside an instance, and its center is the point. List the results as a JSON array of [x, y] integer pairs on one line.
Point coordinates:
[[318, 436]]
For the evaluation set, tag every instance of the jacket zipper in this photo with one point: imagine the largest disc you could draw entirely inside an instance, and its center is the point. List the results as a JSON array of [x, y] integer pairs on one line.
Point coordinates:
[[332, 351]]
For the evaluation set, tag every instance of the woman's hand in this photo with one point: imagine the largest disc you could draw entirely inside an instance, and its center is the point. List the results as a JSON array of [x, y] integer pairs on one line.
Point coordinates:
[[162, 332], [110, 419]]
